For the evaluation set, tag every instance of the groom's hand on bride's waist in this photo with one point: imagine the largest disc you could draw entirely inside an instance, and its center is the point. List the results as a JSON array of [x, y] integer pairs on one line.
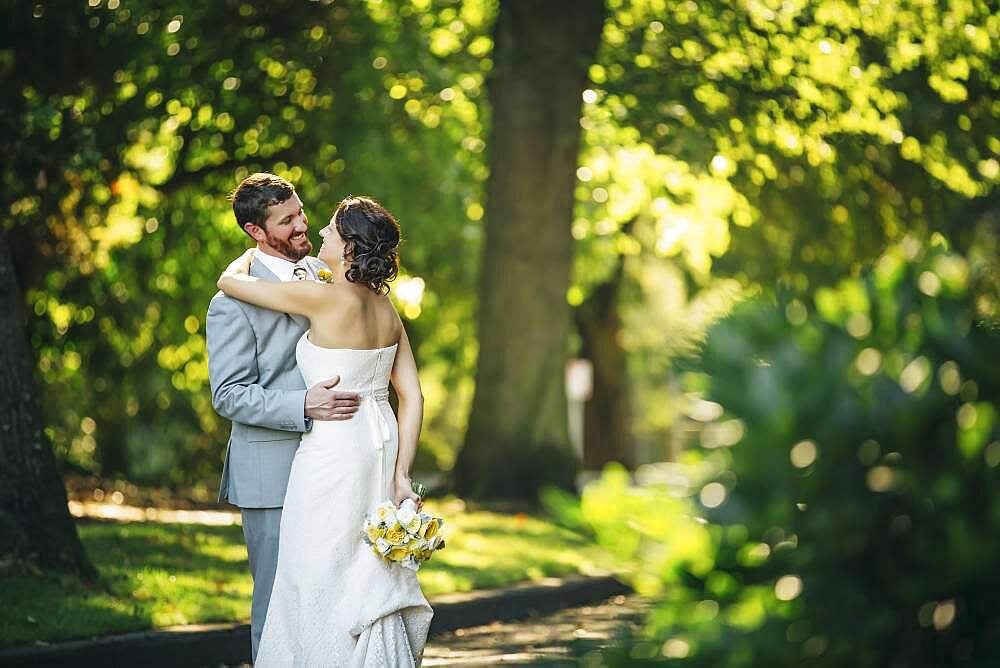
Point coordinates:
[[323, 402]]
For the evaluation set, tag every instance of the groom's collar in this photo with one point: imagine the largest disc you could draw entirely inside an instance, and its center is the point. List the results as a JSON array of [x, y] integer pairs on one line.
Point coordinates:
[[279, 268], [260, 269]]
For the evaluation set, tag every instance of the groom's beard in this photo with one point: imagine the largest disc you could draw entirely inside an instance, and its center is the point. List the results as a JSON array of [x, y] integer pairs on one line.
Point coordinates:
[[293, 251]]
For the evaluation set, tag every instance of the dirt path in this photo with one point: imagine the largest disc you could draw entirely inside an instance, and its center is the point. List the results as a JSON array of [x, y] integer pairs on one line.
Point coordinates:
[[541, 640]]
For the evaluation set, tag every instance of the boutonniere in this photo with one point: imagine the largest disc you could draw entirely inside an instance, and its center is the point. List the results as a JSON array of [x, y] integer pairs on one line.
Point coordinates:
[[324, 275]]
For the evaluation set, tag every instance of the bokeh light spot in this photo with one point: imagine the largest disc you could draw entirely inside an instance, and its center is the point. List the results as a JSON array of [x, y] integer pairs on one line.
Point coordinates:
[[880, 479], [712, 495], [944, 614], [803, 454], [868, 362], [950, 378], [675, 648], [788, 587]]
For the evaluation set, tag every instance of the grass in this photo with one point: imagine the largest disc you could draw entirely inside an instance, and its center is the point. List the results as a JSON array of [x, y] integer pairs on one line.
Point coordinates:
[[154, 575]]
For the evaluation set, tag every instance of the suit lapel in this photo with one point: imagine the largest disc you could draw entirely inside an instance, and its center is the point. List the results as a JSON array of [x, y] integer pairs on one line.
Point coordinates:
[[316, 264], [260, 270]]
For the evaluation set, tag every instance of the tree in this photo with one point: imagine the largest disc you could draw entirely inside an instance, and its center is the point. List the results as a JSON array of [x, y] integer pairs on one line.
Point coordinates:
[[517, 435], [36, 530], [119, 148], [157, 118], [777, 146], [845, 128], [607, 432]]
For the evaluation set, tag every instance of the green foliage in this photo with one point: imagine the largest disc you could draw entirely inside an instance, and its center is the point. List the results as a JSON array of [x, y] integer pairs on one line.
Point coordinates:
[[780, 144], [728, 147], [125, 133], [870, 445], [844, 125], [852, 520], [747, 144]]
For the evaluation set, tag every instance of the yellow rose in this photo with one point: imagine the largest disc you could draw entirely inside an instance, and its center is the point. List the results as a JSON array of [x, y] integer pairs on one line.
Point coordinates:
[[375, 531], [430, 529], [324, 275], [395, 534], [396, 554]]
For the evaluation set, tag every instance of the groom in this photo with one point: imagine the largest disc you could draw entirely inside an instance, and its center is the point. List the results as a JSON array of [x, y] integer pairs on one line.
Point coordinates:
[[256, 383]]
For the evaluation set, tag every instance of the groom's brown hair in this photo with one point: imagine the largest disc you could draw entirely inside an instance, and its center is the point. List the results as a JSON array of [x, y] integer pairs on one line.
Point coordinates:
[[255, 195]]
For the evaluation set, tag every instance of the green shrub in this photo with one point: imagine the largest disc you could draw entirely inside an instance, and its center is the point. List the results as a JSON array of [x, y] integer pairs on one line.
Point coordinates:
[[856, 522]]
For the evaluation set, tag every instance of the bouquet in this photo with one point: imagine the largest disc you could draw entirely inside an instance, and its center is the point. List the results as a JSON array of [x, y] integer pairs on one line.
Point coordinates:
[[402, 535]]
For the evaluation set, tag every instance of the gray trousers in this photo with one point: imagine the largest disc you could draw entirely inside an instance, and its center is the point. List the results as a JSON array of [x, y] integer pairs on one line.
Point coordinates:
[[260, 529]]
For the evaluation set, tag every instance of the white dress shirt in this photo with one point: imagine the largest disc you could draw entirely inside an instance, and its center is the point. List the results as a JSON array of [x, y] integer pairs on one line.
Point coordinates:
[[281, 267]]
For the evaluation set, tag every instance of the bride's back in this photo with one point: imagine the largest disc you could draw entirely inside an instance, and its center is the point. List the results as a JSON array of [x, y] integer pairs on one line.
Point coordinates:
[[357, 318]]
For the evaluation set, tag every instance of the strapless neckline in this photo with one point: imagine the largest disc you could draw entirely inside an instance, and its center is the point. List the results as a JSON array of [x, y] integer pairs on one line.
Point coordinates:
[[305, 337]]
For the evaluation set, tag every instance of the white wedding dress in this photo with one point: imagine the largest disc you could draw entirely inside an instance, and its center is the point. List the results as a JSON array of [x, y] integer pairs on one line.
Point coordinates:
[[334, 602]]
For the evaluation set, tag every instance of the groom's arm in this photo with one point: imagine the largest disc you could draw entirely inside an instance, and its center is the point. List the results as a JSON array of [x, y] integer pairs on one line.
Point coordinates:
[[234, 377]]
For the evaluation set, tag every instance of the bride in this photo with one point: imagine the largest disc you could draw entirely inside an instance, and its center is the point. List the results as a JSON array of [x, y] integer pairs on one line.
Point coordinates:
[[334, 602]]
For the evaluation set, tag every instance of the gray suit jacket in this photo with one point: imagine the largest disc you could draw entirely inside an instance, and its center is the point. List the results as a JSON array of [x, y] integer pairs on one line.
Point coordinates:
[[256, 384]]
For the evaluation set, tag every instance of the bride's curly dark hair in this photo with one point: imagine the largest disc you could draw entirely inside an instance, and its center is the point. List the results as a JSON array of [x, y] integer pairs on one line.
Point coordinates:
[[371, 237]]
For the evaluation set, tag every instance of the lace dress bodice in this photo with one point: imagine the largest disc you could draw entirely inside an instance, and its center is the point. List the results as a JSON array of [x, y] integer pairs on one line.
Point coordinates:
[[365, 371]]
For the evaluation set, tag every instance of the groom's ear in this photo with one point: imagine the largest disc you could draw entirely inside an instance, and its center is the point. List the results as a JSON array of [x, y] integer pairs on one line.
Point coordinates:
[[256, 232]]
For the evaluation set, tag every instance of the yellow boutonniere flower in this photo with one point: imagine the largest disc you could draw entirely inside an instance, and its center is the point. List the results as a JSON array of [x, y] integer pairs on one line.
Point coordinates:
[[325, 275]]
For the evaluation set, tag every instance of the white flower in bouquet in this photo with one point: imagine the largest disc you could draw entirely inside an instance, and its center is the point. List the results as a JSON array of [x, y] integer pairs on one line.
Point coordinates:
[[382, 546], [407, 511], [385, 513], [408, 516]]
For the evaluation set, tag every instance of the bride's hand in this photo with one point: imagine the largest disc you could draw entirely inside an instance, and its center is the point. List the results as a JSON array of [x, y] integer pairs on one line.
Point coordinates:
[[402, 490], [240, 265]]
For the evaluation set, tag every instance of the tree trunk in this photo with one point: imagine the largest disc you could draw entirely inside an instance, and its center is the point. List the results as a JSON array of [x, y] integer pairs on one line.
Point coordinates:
[[36, 530], [517, 439], [607, 433]]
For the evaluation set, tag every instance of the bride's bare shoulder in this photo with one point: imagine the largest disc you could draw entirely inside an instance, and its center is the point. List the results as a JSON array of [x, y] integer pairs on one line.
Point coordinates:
[[344, 295], [396, 321], [348, 297]]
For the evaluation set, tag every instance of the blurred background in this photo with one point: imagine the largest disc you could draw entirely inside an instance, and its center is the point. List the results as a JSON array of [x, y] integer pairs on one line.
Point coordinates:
[[714, 283]]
